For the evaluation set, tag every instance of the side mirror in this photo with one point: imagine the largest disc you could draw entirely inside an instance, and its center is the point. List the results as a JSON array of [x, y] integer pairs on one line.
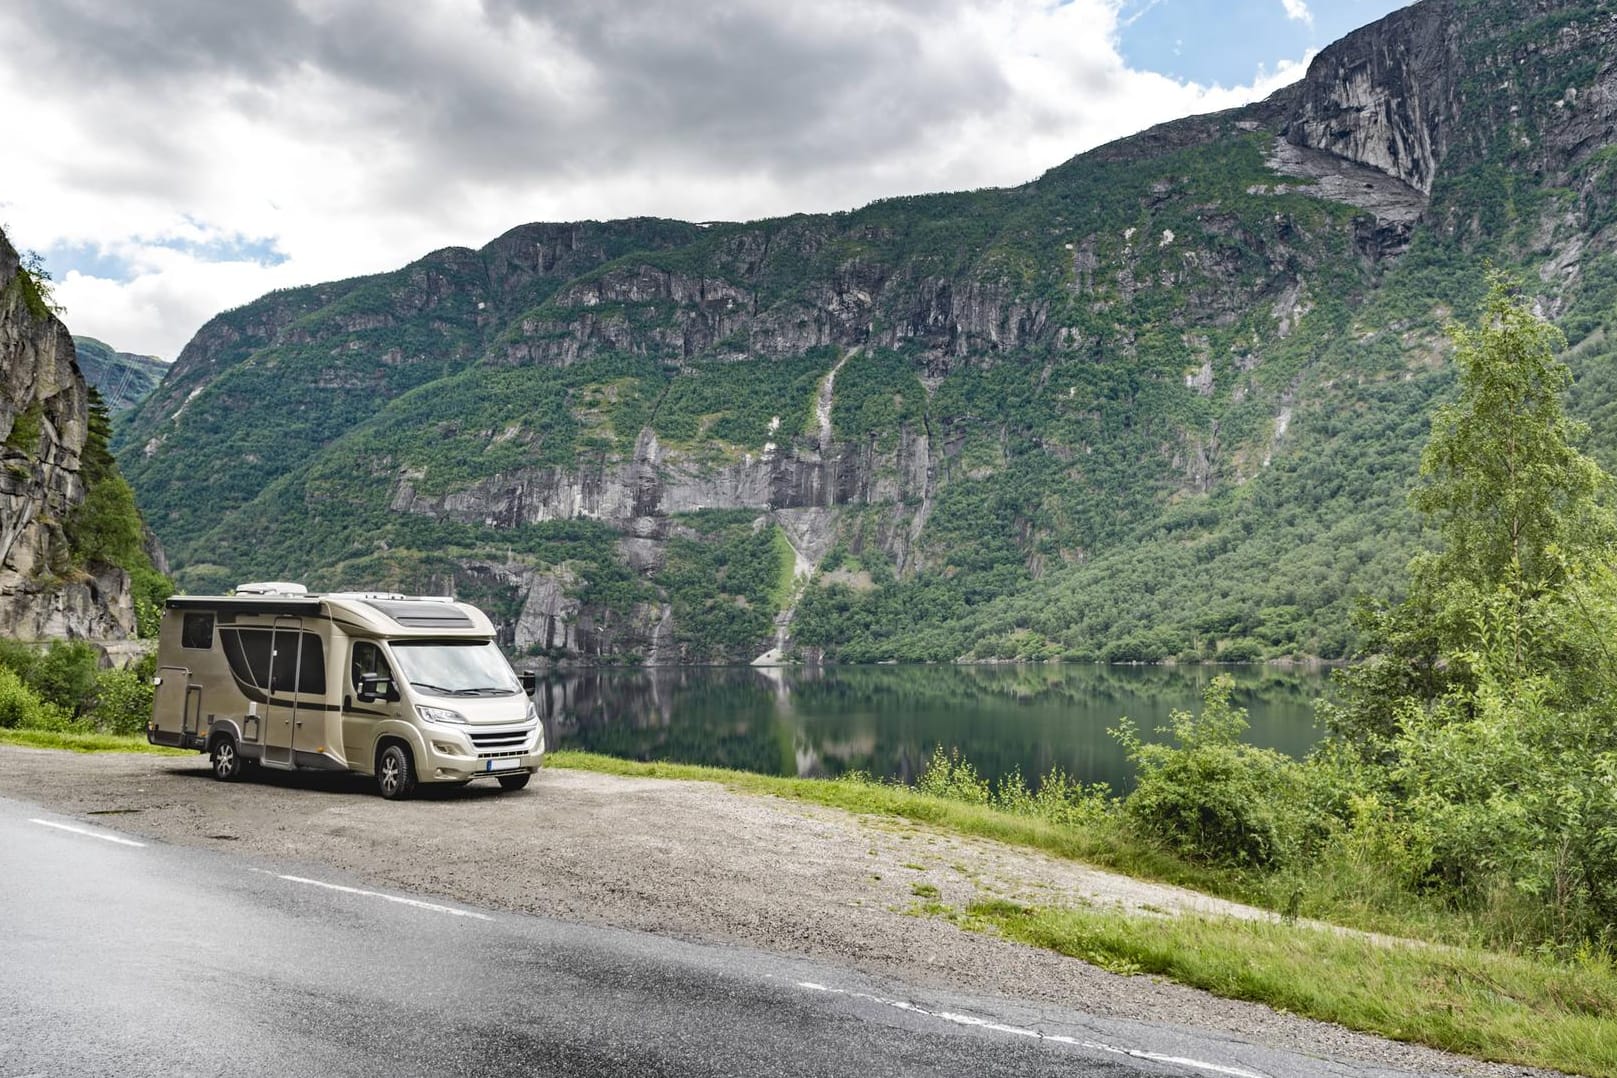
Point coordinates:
[[529, 680], [373, 687]]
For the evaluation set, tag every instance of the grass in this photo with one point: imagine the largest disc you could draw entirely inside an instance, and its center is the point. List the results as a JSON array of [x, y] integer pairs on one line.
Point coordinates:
[[1500, 1007], [79, 741]]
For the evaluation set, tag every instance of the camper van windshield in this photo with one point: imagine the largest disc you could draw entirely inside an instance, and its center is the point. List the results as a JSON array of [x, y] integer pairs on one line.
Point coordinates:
[[449, 668]]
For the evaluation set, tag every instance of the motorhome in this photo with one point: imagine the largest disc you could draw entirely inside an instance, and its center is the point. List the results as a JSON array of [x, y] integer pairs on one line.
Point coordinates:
[[408, 689]]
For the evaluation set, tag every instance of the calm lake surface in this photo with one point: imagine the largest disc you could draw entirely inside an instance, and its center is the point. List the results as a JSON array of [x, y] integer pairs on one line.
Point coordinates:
[[886, 720]]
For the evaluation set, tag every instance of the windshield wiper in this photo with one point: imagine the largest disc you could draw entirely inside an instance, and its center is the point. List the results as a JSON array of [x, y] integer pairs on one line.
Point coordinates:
[[481, 689], [439, 689]]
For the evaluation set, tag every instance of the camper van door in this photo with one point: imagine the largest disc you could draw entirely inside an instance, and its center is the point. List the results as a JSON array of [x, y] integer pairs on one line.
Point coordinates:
[[281, 714]]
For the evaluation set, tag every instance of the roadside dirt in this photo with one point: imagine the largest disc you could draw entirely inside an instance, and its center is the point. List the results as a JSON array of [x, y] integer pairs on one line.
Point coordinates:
[[690, 860]]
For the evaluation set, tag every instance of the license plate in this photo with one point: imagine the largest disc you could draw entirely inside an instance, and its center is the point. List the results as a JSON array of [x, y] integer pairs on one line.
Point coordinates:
[[504, 765]]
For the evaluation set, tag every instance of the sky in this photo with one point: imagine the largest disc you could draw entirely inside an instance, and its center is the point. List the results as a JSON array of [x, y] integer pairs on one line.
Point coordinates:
[[171, 159]]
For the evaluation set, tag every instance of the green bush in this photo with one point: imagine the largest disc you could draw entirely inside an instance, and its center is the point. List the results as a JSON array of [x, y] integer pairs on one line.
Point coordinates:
[[150, 589], [18, 657], [1060, 799], [1210, 797], [65, 675], [62, 674], [21, 707], [949, 774], [123, 698]]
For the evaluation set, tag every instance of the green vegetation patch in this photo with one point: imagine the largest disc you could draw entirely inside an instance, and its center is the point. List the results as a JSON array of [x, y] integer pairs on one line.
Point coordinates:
[[724, 578], [1498, 1007], [61, 688], [877, 394], [81, 741], [744, 403]]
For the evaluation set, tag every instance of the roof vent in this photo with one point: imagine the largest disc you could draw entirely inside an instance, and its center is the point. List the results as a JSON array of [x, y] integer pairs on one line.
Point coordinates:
[[271, 587]]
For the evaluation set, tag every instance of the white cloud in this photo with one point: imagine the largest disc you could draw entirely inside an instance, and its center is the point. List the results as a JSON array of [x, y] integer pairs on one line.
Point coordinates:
[[1297, 11], [353, 136]]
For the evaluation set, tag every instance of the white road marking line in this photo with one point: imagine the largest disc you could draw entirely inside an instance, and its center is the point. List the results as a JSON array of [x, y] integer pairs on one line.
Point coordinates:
[[85, 831], [1023, 1031], [416, 902]]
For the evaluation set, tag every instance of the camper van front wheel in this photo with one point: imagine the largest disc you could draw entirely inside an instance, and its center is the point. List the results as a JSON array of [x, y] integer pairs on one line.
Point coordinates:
[[395, 772], [226, 761]]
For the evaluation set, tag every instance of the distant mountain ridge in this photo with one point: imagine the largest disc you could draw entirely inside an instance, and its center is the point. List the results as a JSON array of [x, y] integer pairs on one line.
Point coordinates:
[[1164, 400], [123, 379]]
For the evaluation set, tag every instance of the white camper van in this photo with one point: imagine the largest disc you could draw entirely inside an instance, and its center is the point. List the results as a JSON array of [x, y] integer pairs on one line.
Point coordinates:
[[406, 688]]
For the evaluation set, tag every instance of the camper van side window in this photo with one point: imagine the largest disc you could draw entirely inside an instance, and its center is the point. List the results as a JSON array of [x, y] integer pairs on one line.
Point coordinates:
[[309, 673], [248, 651], [196, 631]]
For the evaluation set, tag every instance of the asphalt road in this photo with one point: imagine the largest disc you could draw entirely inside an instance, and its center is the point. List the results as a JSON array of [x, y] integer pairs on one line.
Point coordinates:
[[124, 956]]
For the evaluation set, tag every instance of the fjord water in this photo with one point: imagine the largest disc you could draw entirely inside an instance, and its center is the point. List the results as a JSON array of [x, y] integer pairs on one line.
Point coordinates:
[[886, 720]]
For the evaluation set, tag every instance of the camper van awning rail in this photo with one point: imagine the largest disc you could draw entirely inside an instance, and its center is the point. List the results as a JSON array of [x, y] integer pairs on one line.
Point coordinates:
[[232, 607]]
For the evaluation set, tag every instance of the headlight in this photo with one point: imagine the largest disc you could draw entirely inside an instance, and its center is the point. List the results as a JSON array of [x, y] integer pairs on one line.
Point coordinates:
[[533, 713], [440, 714]]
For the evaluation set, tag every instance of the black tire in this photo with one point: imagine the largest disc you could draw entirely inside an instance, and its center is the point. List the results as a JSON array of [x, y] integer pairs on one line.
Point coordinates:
[[226, 762], [514, 782], [395, 772]]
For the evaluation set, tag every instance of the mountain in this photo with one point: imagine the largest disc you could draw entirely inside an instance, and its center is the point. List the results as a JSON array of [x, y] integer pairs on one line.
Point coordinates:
[[123, 379], [74, 557], [1165, 400]]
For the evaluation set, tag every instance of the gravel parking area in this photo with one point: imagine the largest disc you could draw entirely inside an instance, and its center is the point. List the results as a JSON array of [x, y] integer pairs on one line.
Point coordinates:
[[686, 859]]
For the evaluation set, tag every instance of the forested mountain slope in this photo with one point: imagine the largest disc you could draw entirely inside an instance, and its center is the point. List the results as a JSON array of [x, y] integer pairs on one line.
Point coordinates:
[[1164, 400]]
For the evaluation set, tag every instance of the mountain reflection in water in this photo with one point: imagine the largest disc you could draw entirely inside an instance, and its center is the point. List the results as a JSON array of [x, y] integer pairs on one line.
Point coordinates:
[[886, 720]]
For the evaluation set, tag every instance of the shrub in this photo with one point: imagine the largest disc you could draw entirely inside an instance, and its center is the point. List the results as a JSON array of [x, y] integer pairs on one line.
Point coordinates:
[[65, 675], [1210, 797], [123, 699], [21, 707], [951, 775], [1064, 800]]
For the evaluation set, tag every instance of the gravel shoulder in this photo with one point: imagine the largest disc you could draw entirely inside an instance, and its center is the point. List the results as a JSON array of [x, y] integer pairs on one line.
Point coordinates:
[[691, 860]]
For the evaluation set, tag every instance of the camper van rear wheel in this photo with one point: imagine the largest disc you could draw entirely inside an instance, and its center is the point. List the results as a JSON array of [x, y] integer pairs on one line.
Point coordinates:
[[226, 761], [514, 782], [395, 772]]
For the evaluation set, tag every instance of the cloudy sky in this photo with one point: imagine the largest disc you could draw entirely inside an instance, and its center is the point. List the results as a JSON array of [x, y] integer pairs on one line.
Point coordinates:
[[174, 158]]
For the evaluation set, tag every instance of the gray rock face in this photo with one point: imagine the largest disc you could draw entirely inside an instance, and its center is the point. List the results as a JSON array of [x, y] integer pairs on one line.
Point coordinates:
[[1388, 96], [638, 495], [44, 412], [1381, 96], [800, 488]]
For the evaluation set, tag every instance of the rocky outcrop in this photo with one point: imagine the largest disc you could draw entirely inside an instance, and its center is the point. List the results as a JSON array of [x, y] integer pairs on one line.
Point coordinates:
[[640, 493], [540, 617], [1462, 78], [1384, 95], [44, 414]]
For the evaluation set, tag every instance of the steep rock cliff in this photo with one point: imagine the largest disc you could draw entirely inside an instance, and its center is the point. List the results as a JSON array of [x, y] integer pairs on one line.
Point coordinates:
[[44, 412]]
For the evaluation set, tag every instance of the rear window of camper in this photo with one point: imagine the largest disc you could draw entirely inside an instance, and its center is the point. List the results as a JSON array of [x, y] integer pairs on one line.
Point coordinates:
[[196, 631]]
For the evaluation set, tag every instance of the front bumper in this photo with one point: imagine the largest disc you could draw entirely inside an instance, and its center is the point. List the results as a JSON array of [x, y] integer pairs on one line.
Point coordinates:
[[462, 754]]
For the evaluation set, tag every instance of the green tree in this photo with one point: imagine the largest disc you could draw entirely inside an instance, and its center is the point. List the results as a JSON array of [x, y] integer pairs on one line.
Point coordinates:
[[1513, 498], [1519, 512], [1487, 710]]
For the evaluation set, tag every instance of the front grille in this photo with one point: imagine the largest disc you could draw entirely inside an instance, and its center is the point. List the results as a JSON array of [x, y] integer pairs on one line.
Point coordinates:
[[499, 739], [497, 755]]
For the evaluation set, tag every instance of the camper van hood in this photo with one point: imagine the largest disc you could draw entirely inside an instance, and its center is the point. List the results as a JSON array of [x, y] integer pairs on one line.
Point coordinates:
[[478, 710]]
